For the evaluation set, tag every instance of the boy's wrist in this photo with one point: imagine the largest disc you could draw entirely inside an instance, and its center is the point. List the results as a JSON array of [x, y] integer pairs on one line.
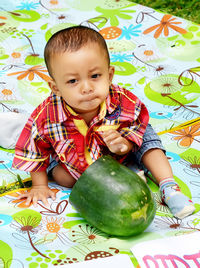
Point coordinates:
[[39, 179], [39, 186]]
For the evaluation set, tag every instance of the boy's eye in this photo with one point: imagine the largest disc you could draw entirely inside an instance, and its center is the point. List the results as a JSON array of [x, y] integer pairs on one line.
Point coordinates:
[[72, 81], [95, 75]]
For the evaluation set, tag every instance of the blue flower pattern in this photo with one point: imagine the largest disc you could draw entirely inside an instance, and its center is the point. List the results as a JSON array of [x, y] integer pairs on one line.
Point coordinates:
[[121, 57], [28, 5], [128, 32]]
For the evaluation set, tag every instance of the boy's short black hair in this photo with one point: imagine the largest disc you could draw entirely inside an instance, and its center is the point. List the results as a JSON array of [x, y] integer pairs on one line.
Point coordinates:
[[72, 39]]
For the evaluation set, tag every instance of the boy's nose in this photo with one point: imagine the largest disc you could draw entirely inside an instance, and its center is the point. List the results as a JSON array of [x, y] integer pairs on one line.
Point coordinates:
[[87, 88]]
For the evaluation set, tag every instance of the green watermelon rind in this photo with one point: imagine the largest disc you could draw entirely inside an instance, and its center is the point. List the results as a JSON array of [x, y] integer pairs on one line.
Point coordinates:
[[113, 198]]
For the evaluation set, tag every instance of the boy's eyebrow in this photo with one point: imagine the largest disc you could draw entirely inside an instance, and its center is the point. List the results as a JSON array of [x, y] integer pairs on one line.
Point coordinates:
[[70, 74], [96, 68]]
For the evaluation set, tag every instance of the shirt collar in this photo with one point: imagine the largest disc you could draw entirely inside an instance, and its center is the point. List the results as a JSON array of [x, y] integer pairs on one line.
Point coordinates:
[[112, 100]]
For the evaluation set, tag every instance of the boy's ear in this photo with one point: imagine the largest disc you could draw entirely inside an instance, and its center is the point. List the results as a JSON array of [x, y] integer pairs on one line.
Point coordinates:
[[53, 87], [111, 73]]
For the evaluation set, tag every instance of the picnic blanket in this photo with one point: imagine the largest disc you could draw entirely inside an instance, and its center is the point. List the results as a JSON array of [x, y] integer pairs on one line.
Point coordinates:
[[156, 56]]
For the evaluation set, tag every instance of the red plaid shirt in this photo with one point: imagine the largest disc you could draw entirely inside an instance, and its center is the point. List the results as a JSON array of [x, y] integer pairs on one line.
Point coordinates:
[[55, 129]]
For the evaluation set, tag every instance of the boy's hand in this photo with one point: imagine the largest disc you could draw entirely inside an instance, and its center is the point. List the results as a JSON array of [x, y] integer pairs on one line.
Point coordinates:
[[38, 193], [116, 143]]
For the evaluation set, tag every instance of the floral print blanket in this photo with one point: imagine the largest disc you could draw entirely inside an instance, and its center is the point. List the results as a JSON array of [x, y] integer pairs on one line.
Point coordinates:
[[156, 56]]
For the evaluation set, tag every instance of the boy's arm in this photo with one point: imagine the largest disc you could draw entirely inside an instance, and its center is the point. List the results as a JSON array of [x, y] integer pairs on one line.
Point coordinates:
[[134, 119], [39, 189]]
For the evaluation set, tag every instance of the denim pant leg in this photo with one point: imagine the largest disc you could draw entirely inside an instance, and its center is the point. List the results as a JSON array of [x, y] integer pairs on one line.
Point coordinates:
[[150, 141], [53, 163]]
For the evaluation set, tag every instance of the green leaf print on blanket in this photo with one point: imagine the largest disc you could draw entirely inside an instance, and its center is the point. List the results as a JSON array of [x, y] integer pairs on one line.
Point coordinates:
[[25, 15], [167, 90], [183, 47], [112, 15], [5, 255], [123, 68]]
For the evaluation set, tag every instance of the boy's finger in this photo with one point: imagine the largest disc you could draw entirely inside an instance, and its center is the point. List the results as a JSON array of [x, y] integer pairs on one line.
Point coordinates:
[[35, 199], [53, 195], [107, 133], [116, 140], [44, 200], [20, 196], [28, 200], [124, 148], [111, 137]]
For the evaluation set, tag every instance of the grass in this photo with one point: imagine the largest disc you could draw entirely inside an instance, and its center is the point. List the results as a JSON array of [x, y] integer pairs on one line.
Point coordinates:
[[187, 9], [4, 188]]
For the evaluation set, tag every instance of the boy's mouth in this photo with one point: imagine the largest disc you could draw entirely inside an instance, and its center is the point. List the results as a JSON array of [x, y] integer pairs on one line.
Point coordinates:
[[89, 98]]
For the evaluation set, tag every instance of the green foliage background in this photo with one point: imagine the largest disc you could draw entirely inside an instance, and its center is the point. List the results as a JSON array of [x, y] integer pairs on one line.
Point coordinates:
[[189, 10]]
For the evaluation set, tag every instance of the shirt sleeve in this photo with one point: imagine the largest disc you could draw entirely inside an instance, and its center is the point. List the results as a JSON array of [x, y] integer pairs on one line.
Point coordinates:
[[137, 117], [32, 150]]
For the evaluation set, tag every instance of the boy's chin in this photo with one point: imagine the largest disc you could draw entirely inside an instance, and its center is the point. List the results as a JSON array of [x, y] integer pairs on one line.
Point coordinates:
[[87, 110], [87, 107]]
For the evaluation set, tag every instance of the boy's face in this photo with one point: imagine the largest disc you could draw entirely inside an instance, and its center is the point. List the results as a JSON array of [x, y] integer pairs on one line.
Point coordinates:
[[82, 78]]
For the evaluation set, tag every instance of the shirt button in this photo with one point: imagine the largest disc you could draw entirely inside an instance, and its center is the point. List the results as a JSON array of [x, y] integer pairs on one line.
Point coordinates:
[[62, 158]]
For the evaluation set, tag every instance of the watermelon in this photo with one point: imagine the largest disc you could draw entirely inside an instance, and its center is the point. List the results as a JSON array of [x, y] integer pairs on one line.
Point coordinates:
[[113, 198]]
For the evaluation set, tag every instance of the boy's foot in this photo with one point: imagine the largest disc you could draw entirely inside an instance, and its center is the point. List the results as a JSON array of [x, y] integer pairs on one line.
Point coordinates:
[[179, 204]]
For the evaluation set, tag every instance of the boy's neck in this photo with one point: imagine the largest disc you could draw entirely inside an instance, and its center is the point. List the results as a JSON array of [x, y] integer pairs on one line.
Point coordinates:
[[90, 115]]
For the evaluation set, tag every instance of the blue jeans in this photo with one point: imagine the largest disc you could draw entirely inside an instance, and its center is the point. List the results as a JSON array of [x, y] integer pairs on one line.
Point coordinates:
[[150, 141]]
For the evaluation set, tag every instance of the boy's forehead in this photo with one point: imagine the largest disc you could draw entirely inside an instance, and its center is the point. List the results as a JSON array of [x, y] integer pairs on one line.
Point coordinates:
[[68, 62], [90, 45]]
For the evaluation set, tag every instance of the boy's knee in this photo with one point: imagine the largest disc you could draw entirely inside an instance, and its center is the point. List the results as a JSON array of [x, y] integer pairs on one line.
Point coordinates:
[[62, 177]]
